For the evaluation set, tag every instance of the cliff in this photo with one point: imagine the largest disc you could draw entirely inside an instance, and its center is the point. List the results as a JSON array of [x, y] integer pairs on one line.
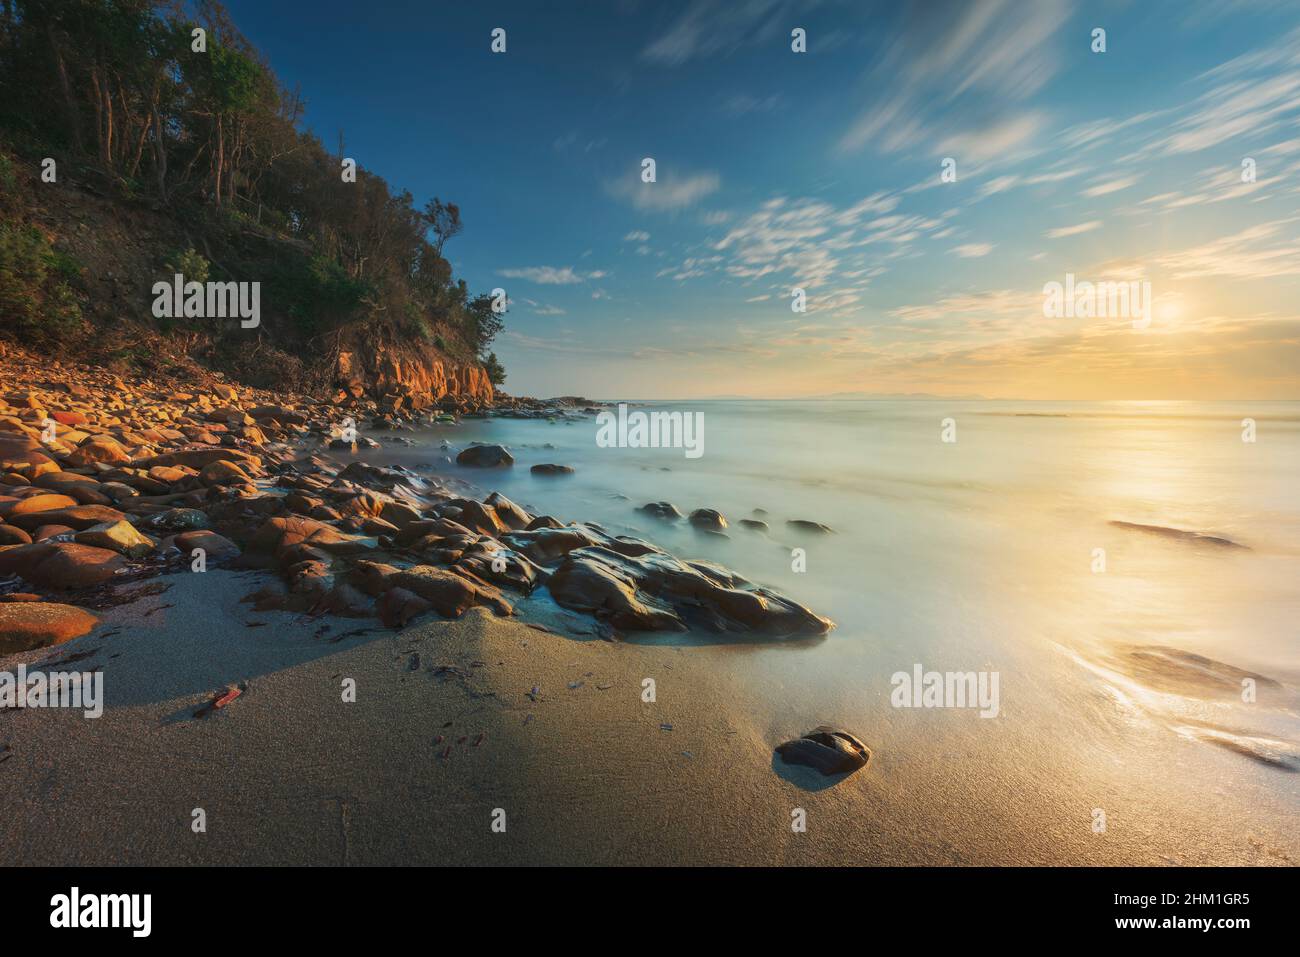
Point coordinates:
[[411, 378]]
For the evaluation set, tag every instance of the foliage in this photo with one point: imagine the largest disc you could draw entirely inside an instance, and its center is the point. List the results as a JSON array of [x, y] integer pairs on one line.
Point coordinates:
[[36, 300], [129, 96]]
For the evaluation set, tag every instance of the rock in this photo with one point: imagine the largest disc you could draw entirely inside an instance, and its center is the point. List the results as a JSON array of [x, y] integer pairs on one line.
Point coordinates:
[[78, 517], [120, 537], [708, 519], [662, 510], [754, 524], [216, 546], [450, 594], [99, 448], [43, 503], [178, 519], [548, 468], [815, 528], [485, 457], [397, 606], [280, 534], [70, 565], [653, 591], [510, 514], [39, 624], [828, 750], [223, 472], [11, 535]]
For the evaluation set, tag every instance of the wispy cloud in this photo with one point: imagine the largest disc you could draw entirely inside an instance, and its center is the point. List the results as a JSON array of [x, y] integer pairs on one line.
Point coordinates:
[[671, 192], [1062, 231], [549, 275]]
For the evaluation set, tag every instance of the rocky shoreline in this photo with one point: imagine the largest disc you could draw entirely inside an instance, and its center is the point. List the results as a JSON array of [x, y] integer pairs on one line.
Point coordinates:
[[106, 483]]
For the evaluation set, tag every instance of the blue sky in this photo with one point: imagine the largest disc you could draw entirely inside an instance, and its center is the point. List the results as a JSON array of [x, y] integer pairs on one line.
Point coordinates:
[[822, 170]]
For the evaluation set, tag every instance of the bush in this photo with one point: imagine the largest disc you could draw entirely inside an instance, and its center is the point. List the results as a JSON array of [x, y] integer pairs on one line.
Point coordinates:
[[36, 303], [189, 264]]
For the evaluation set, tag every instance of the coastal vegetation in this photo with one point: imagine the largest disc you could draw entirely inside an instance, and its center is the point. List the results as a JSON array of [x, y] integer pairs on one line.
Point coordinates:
[[144, 137]]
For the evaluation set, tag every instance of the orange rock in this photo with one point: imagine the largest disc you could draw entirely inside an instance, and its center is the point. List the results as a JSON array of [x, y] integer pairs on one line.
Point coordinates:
[[42, 503], [25, 625]]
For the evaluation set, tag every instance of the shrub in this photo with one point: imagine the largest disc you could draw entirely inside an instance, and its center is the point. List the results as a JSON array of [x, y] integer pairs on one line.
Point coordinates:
[[36, 303]]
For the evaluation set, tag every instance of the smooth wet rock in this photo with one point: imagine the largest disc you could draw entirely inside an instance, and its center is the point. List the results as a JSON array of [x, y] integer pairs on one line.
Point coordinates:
[[549, 468], [12, 535], [485, 457], [38, 624], [829, 750], [121, 537], [78, 517], [654, 591], [450, 594], [815, 528], [708, 519], [753, 524], [70, 565], [214, 545], [666, 511], [43, 503]]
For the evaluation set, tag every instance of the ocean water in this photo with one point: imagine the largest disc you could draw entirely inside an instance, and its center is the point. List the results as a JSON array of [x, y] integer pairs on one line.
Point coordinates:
[[1124, 656]]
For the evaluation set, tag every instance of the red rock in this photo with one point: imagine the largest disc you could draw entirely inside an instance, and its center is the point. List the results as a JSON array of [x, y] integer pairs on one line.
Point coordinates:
[[78, 517], [74, 566]]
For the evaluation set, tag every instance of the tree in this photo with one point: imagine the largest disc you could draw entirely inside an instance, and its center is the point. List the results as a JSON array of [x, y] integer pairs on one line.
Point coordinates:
[[444, 220], [495, 370]]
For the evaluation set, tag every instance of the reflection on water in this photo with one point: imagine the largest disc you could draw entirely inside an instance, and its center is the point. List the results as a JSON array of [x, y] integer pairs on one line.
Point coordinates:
[[1021, 540]]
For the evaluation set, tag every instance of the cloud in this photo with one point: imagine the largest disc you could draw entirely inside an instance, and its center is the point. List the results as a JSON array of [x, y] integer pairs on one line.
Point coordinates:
[[548, 275], [1257, 252], [637, 236], [671, 192], [984, 53], [1111, 186], [973, 250], [1063, 231], [708, 28]]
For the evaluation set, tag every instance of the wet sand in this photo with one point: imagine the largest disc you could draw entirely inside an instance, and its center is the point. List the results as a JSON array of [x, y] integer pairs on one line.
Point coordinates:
[[582, 767]]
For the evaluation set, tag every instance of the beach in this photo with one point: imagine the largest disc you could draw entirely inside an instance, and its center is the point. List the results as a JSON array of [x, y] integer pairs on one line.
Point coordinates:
[[396, 655]]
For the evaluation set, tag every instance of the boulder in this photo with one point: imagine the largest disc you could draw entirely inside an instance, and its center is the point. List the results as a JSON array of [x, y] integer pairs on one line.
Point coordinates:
[[77, 517], [450, 594], [120, 537], [549, 468], [216, 546], [485, 457], [42, 503], [708, 519], [38, 624], [813, 528], [654, 591], [99, 448], [666, 511], [71, 565]]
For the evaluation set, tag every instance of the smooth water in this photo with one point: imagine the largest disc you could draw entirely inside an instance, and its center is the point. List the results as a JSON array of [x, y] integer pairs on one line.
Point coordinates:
[[1122, 654]]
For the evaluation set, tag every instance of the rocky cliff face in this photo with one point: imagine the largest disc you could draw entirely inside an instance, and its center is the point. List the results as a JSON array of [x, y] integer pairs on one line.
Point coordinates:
[[411, 379]]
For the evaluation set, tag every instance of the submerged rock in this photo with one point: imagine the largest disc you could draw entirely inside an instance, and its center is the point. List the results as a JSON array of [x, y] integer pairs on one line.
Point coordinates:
[[635, 586], [485, 456], [708, 519], [662, 510], [816, 528], [829, 750], [549, 468]]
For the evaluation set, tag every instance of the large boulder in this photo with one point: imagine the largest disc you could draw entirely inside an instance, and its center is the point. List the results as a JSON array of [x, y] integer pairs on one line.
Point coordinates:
[[654, 591], [449, 593], [77, 517], [120, 537], [25, 625], [485, 456], [71, 565]]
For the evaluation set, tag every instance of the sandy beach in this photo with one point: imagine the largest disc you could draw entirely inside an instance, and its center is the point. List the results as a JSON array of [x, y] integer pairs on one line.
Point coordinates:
[[447, 727]]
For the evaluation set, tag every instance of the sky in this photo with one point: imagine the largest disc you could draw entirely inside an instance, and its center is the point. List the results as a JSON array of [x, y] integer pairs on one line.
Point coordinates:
[[822, 171]]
